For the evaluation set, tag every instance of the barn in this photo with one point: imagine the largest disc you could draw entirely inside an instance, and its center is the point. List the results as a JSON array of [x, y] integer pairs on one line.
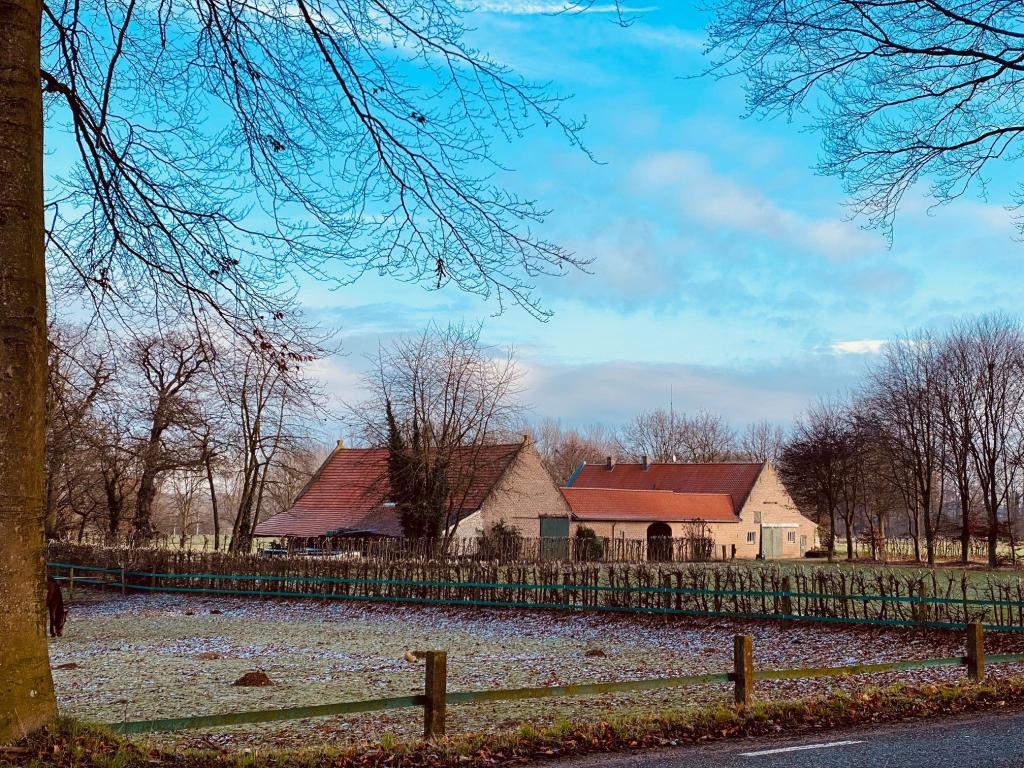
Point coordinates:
[[743, 508], [350, 496]]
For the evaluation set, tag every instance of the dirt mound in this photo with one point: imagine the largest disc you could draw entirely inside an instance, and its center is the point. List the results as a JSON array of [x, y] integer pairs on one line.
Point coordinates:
[[254, 680], [210, 656], [591, 653]]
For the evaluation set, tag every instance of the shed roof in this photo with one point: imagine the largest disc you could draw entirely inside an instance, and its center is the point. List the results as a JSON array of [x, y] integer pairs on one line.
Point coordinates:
[[349, 491], [732, 479], [610, 504]]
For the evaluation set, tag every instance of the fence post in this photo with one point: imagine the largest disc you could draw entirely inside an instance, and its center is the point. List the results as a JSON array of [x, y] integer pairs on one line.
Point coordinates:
[[71, 583], [787, 601], [975, 651], [743, 669], [923, 593], [436, 693], [124, 588]]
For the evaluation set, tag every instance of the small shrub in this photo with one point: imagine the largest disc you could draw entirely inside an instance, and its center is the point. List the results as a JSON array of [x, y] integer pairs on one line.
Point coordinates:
[[589, 547], [501, 542]]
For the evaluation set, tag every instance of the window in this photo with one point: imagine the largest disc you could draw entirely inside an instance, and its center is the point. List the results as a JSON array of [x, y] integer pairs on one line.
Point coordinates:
[[751, 537], [757, 517], [791, 537]]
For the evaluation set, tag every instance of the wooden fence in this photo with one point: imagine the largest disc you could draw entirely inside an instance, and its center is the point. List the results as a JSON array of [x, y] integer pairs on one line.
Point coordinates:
[[504, 549], [823, 593], [901, 548], [435, 698]]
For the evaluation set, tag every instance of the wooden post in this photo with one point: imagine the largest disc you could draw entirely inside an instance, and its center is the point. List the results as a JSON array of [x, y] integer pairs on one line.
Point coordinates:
[[975, 652], [743, 669], [123, 587], [787, 601], [71, 583], [920, 610], [436, 692]]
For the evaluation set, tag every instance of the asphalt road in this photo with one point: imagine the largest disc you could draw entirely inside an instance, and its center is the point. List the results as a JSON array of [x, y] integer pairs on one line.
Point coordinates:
[[971, 741]]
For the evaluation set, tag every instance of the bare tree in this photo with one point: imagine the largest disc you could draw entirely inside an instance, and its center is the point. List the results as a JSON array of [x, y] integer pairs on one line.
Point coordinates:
[[439, 400], [901, 89], [267, 403], [997, 352], [218, 152], [706, 438], [666, 437], [656, 434], [762, 441], [170, 366], [78, 373], [184, 489], [564, 449], [816, 466], [902, 400], [958, 404]]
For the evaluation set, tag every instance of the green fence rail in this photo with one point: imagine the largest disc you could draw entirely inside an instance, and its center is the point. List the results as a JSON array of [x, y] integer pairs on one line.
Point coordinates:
[[436, 696], [782, 600]]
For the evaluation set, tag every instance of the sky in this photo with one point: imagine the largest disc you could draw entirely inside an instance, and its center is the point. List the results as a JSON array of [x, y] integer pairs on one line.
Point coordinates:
[[725, 271]]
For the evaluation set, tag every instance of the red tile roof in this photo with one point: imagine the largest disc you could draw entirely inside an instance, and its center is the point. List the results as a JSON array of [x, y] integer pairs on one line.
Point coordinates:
[[348, 492], [612, 504], [735, 480]]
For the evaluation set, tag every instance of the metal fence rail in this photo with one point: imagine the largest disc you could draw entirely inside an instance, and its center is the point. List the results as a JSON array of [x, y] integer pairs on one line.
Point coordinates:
[[436, 697]]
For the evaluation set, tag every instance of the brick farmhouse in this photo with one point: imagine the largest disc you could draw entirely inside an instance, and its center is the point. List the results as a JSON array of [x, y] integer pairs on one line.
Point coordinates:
[[350, 495], [744, 506]]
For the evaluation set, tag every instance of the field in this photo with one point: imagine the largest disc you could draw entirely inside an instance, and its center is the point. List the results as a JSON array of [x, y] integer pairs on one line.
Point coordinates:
[[149, 656]]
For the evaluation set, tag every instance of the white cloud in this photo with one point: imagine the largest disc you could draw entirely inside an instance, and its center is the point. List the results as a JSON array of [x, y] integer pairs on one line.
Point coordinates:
[[665, 37], [858, 346], [523, 8], [613, 392], [715, 200]]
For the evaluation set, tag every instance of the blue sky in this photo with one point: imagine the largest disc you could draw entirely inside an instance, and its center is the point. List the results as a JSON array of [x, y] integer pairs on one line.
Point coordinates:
[[723, 266]]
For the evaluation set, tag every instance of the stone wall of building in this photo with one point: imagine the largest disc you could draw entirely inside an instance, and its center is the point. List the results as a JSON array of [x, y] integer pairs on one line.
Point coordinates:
[[524, 494]]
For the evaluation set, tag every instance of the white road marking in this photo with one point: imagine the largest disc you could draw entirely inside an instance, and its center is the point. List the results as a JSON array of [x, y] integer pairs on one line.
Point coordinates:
[[825, 745]]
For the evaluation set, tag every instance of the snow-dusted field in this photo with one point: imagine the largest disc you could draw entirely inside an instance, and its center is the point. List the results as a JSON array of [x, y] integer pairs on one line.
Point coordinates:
[[152, 656]]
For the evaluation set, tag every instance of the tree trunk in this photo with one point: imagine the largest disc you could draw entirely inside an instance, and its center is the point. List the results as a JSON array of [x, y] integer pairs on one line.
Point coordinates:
[[143, 523], [27, 700], [929, 537], [831, 546], [213, 501], [993, 529], [965, 533]]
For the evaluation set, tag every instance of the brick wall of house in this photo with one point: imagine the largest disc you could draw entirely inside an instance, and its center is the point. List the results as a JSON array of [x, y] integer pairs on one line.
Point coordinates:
[[524, 494]]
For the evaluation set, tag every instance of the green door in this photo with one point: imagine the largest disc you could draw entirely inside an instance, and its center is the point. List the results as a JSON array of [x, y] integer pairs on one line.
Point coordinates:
[[772, 542], [554, 538]]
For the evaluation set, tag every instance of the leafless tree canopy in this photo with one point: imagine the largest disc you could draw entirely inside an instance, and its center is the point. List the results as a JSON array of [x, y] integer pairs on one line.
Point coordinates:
[[930, 445], [170, 433], [899, 90], [224, 149], [439, 400], [563, 448], [667, 437]]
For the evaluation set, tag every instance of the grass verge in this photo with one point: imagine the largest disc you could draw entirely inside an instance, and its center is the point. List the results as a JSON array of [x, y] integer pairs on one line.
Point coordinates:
[[69, 743]]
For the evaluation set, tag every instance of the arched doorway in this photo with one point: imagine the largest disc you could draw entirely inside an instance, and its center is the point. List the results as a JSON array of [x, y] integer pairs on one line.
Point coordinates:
[[659, 542]]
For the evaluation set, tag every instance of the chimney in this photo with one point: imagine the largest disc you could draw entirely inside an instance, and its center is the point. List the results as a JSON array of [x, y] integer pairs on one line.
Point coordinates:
[[340, 445], [609, 464], [643, 463]]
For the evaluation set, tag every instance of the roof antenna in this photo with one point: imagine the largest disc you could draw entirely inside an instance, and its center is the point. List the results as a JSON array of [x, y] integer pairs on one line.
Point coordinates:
[[671, 407]]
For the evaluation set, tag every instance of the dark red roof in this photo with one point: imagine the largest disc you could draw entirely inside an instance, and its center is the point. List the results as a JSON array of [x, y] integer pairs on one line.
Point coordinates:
[[735, 480], [612, 504], [348, 493]]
